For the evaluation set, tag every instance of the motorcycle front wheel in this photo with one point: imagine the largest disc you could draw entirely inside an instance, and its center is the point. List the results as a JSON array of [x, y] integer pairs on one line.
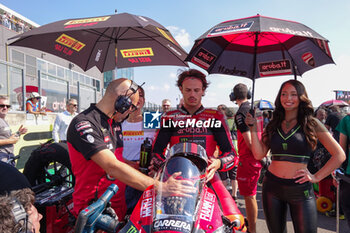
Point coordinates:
[[49, 166]]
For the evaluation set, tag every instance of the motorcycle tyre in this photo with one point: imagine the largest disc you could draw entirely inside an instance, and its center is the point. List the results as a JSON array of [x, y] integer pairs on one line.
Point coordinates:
[[35, 167]]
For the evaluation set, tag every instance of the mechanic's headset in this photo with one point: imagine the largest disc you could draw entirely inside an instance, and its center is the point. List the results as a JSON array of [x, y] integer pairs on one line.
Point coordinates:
[[233, 97], [123, 102], [20, 215]]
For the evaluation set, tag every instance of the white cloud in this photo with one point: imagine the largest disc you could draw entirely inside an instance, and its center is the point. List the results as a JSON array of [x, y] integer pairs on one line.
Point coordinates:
[[166, 87], [172, 75], [180, 35], [152, 88]]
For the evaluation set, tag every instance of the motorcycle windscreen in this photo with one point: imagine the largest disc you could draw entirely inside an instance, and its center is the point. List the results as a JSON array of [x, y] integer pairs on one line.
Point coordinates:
[[174, 212]]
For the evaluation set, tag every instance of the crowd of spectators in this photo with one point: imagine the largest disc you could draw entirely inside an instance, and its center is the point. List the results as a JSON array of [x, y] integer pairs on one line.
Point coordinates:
[[12, 22]]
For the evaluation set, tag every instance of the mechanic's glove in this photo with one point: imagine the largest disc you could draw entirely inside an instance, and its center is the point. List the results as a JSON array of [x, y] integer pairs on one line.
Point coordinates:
[[156, 162]]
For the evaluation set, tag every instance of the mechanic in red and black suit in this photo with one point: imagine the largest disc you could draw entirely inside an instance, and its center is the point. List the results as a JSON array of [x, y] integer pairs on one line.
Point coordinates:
[[249, 168], [214, 131], [95, 144]]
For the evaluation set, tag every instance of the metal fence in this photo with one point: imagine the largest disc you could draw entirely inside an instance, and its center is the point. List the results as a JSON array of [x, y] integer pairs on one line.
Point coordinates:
[[54, 90]]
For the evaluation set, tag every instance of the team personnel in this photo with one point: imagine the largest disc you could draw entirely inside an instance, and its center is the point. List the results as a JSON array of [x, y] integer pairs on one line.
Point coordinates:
[[7, 138], [249, 168], [18, 213], [166, 105], [231, 175], [192, 84], [134, 135], [95, 148], [344, 141], [62, 121]]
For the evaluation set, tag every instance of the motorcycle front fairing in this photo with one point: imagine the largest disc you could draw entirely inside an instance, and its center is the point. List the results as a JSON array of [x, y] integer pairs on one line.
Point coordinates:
[[174, 212], [159, 210]]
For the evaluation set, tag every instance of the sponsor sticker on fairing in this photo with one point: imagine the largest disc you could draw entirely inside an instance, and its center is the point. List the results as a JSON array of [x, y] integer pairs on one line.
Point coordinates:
[[172, 225], [146, 207], [132, 229], [207, 210]]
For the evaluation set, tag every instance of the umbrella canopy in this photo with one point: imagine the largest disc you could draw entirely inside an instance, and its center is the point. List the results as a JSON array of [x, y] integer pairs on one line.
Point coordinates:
[[339, 103], [29, 89], [264, 105], [259, 46], [120, 40]]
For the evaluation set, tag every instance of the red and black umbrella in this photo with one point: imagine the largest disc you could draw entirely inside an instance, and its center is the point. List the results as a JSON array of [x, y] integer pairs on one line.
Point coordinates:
[[339, 103], [259, 46], [120, 40]]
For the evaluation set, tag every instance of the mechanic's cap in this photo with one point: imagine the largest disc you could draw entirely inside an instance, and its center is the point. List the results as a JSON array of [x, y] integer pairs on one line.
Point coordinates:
[[195, 152], [34, 95]]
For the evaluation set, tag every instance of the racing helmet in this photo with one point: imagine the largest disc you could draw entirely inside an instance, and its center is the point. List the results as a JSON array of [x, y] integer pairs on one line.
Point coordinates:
[[175, 204], [191, 160], [195, 152]]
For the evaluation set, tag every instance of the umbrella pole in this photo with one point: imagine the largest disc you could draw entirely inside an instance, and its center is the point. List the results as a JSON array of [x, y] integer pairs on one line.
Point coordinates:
[[294, 70], [253, 88], [254, 68]]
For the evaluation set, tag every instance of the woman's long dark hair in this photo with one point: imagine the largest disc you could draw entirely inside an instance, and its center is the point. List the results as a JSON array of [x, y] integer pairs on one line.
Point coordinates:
[[305, 116]]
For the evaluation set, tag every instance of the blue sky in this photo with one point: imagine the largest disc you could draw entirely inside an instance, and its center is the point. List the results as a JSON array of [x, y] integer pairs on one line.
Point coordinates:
[[187, 20]]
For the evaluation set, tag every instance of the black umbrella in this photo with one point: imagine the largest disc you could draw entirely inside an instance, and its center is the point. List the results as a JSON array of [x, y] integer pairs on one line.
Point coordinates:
[[120, 40], [259, 46]]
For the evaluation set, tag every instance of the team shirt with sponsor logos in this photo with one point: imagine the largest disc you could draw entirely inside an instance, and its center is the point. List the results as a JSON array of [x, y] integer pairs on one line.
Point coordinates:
[[92, 131], [243, 149], [172, 131], [133, 136]]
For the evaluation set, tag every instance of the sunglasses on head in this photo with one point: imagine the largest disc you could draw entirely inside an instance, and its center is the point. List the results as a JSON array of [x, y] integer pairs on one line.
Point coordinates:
[[5, 105]]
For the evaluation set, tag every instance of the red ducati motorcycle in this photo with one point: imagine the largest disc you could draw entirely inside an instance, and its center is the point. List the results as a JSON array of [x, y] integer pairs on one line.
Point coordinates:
[[162, 210]]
